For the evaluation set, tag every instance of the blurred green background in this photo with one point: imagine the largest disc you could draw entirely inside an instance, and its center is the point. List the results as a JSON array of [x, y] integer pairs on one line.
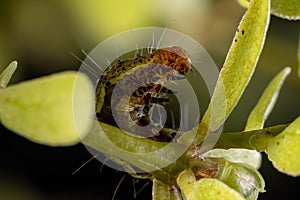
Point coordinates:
[[42, 35]]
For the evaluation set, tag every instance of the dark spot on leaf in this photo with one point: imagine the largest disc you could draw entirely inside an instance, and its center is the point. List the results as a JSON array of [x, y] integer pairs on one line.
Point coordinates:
[[243, 32], [235, 40]]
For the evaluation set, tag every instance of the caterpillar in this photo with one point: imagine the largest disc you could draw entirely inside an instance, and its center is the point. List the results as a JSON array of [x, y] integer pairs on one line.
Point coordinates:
[[148, 73]]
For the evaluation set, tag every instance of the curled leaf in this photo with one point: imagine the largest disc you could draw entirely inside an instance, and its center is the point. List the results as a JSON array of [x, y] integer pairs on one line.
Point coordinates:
[[243, 178], [206, 188]]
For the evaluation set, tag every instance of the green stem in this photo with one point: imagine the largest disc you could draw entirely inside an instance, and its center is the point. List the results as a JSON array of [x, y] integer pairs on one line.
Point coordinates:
[[257, 140]]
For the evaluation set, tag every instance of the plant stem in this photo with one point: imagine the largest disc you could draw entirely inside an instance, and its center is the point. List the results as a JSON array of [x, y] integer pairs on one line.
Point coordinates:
[[257, 140]]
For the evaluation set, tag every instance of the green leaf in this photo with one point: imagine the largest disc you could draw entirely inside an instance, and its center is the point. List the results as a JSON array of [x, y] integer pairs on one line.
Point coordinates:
[[243, 178], [284, 149], [286, 9], [267, 101], [205, 188], [42, 110], [5, 76], [161, 191], [239, 65], [143, 153], [237, 155]]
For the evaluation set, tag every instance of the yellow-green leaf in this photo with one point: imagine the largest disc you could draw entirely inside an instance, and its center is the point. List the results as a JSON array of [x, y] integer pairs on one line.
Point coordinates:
[[284, 149], [286, 9], [42, 110], [5, 76], [143, 153], [267, 101], [236, 155], [240, 63], [206, 188]]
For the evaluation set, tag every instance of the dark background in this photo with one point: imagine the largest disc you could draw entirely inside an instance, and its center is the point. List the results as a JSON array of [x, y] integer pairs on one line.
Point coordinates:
[[42, 35]]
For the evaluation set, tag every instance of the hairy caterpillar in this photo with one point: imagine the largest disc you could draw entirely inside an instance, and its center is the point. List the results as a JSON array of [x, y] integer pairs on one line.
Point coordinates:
[[149, 72]]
